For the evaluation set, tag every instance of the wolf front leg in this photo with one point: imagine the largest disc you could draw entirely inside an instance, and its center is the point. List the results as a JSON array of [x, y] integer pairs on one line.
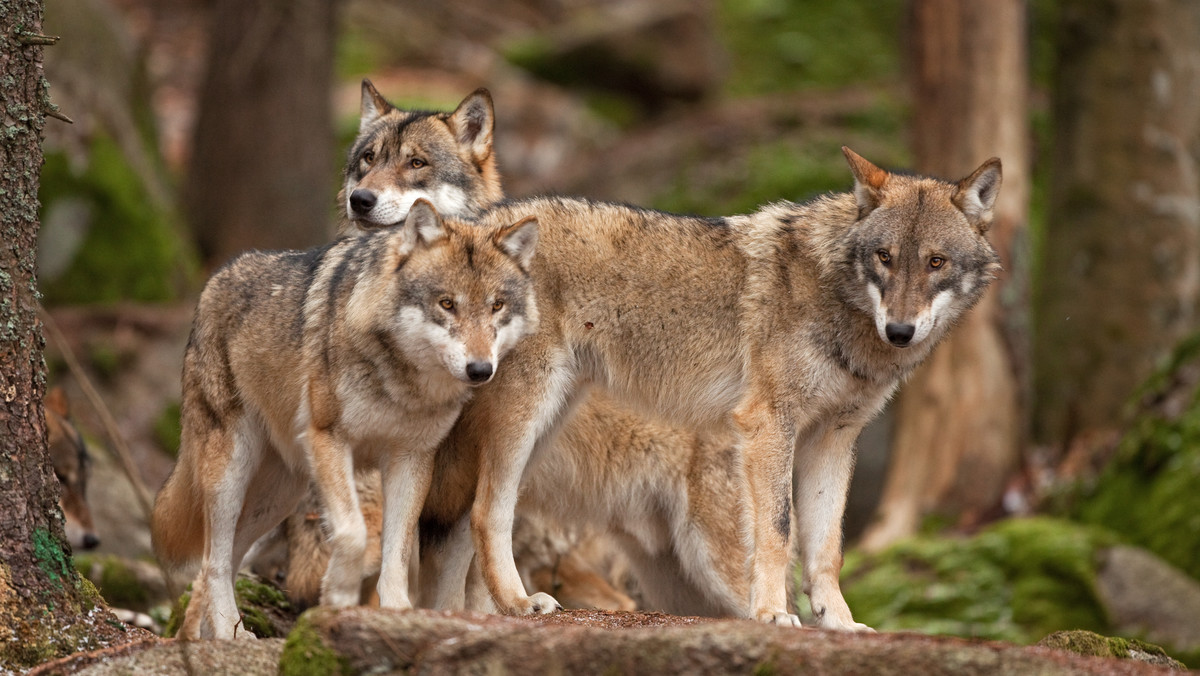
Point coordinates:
[[506, 422], [406, 479], [824, 464], [333, 472], [767, 447]]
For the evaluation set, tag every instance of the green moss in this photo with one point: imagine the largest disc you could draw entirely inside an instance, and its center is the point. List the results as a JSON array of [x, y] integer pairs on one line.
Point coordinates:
[[178, 609], [117, 584], [167, 429], [1092, 644], [1017, 581], [1147, 493], [306, 654], [254, 599], [51, 558]]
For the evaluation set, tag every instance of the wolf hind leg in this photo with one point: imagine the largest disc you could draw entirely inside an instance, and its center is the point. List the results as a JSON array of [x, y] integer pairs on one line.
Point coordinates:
[[273, 494], [213, 612]]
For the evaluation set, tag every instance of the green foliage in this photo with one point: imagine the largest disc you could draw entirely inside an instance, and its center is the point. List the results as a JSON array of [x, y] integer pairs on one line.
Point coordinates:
[[1016, 581], [783, 45], [167, 429], [1148, 492], [119, 585], [131, 249]]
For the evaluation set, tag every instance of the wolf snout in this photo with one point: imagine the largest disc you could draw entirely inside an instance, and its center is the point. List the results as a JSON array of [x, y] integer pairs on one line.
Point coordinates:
[[899, 334], [362, 201], [90, 541], [479, 371]]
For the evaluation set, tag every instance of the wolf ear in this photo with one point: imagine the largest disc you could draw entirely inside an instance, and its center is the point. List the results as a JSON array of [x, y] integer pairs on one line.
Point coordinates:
[[472, 123], [976, 194], [423, 222], [373, 105], [519, 240], [868, 182]]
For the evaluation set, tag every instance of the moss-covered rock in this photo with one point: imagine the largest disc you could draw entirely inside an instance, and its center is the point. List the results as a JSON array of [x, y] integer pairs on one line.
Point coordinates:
[[1148, 493], [1092, 644], [124, 583], [1017, 581], [265, 609]]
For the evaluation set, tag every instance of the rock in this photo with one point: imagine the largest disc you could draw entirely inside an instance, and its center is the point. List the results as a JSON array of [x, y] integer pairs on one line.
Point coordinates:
[[1094, 645], [1145, 596]]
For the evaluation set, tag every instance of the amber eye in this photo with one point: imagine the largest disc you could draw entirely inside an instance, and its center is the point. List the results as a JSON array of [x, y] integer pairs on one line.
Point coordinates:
[[416, 163], [446, 304], [936, 262], [884, 257], [368, 156], [498, 306]]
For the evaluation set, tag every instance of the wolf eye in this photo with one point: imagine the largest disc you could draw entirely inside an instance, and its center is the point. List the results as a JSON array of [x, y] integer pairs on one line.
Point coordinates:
[[446, 304], [936, 262], [416, 163], [498, 306], [884, 257], [368, 156]]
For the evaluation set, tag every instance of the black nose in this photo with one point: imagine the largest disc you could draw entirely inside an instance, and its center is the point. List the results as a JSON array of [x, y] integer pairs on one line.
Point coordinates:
[[90, 541], [479, 371], [899, 334], [361, 201]]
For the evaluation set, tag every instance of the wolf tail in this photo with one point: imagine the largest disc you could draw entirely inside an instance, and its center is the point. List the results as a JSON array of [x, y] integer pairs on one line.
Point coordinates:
[[177, 524]]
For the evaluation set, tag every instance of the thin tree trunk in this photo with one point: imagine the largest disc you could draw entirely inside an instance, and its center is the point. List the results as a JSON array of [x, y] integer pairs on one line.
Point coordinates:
[[262, 165], [44, 606], [958, 429], [1121, 262]]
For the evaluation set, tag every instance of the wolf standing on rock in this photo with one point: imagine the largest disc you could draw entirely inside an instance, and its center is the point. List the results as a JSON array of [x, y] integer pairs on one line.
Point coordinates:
[[791, 326], [307, 365]]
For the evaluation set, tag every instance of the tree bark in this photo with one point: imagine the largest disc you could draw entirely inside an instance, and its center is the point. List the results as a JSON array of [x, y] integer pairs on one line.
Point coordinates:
[[1121, 264], [262, 161], [44, 607], [958, 430]]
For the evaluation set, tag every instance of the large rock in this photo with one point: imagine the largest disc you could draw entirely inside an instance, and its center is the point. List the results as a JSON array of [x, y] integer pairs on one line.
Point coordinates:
[[1146, 596]]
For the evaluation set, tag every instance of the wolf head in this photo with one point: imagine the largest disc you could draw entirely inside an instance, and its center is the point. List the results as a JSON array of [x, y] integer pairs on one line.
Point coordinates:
[[401, 156], [461, 293], [918, 247], [73, 467]]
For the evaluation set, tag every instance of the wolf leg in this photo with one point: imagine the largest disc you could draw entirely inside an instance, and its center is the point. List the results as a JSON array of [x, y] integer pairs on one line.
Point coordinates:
[[507, 425], [406, 479], [449, 566], [333, 470], [823, 470], [276, 492], [213, 611]]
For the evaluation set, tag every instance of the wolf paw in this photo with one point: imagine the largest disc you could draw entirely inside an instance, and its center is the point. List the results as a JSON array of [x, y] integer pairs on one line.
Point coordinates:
[[781, 619], [538, 604]]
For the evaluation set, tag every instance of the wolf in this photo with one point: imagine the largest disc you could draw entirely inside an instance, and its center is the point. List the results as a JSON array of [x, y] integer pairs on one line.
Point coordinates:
[[400, 156], [73, 467], [785, 330], [302, 366]]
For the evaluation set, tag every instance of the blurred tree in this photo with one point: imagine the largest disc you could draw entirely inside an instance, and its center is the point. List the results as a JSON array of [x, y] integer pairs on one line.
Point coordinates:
[[263, 148], [45, 608], [958, 429], [1120, 270]]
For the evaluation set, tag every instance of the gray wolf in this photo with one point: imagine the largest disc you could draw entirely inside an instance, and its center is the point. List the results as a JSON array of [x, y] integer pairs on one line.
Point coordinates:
[[73, 467], [786, 329], [401, 156], [303, 366]]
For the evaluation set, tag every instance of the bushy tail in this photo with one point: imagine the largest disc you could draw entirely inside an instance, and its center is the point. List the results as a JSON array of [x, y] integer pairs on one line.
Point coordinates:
[[177, 525]]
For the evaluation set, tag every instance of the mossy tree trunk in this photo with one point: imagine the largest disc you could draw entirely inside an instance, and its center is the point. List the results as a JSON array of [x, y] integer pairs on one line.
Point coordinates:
[[262, 161], [958, 420], [1120, 272], [44, 605]]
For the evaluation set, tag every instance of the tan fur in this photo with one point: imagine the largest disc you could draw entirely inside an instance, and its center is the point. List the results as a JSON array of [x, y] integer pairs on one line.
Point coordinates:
[[72, 466], [763, 328], [305, 365]]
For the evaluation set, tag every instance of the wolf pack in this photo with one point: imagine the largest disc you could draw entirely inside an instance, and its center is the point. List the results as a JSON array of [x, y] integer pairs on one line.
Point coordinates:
[[458, 364]]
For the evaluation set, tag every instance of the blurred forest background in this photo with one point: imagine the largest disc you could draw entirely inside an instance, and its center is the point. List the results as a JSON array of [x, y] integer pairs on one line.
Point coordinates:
[[206, 127]]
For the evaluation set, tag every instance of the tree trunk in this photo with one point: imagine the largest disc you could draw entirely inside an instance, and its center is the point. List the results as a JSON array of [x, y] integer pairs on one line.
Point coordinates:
[[958, 429], [45, 609], [1121, 264], [262, 162]]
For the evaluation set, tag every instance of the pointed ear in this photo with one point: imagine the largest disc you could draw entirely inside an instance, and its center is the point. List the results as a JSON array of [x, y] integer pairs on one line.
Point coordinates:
[[976, 194], [519, 240], [56, 400], [868, 181], [424, 222], [472, 123], [373, 105]]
